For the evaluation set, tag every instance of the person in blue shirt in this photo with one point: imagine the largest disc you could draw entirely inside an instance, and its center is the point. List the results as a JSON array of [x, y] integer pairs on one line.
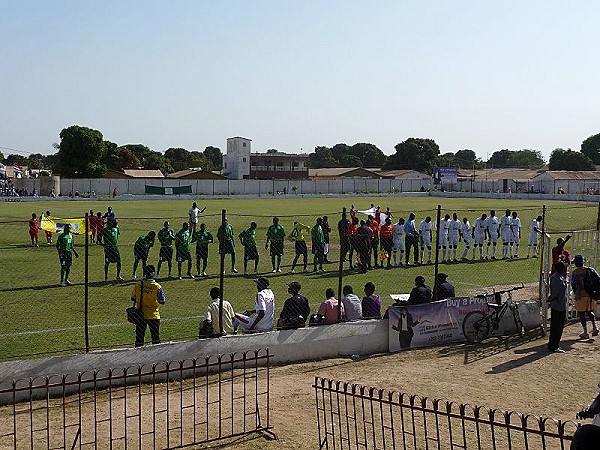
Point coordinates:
[[411, 238]]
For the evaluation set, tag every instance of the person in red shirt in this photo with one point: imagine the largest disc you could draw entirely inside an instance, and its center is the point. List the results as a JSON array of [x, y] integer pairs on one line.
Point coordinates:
[[34, 228], [374, 226], [387, 242], [560, 254], [352, 213], [99, 227], [48, 232], [352, 230], [92, 226]]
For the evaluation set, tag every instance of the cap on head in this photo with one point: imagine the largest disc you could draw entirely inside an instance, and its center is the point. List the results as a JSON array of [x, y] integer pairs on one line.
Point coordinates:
[[419, 279], [294, 286], [442, 276], [149, 271], [262, 282], [579, 260], [560, 240]]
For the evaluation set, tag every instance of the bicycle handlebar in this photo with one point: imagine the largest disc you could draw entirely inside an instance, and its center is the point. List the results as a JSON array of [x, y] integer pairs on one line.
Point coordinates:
[[514, 288]]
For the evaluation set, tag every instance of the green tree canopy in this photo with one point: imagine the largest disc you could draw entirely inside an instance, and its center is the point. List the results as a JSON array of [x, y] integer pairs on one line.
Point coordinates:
[[361, 154], [419, 154], [561, 159], [523, 159], [591, 148], [18, 160], [140, 151], [322, 157], [369, 154], [181, 159], [215, 156], [466, 159], [80, 153], [156, 160]]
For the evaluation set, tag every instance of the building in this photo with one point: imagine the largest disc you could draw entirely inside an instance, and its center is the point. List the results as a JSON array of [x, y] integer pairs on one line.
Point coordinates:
[[279, 165], [236, 162], [335, 173], [134, 173], [195, 174], [402, 174]]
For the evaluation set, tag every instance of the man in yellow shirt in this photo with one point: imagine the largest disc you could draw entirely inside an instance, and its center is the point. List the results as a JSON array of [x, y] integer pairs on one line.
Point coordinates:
[[148, 295]]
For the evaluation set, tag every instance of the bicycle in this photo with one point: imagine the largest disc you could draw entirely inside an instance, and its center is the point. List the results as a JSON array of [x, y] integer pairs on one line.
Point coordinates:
[[478, 325]]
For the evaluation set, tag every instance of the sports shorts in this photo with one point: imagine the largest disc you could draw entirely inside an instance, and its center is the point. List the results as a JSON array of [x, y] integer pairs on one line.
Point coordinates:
[[165, 253]]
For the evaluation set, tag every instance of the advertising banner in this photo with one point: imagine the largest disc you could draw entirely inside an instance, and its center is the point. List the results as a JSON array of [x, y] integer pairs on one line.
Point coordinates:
[[430, 323], [56, 225], [444, 175]]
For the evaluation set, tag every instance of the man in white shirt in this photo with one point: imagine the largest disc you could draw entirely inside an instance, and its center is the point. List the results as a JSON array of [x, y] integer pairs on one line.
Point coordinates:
[[443, 238], [492, 229], [479, 234], [193, 214], [264, 309], [515, 226], [534, 229], [465, 232], [454, 236], [505, 232], [425, 228], [398, 242]]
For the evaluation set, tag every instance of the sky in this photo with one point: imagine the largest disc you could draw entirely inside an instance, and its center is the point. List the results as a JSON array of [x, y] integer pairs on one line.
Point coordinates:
[[293, 75]]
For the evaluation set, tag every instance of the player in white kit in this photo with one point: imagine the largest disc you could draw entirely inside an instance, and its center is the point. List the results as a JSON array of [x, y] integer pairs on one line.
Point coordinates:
[[443, 239], [534, 230], [425, 228], [465, 232], [492, 229], [479, 234], [398, 242], [506, 232], [515, 226], [454, 236]]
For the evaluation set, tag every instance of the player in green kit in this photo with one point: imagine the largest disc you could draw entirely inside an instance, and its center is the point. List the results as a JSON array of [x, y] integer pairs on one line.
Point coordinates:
[[276, 235], [202, 239], [165, 254], [65, 247], [226, 242], [318, 245], [141, 248], [248, 239], [182, 249], [110, 241]]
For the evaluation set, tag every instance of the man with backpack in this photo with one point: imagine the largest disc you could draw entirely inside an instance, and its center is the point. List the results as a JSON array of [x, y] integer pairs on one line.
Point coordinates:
[[585, 282]]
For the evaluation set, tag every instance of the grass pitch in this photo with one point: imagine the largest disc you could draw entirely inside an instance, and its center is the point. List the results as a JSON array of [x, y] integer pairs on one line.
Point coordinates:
[[41, 318]]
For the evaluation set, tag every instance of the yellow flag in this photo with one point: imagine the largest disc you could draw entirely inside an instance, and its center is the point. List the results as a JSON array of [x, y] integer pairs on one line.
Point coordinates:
[[56, 225]]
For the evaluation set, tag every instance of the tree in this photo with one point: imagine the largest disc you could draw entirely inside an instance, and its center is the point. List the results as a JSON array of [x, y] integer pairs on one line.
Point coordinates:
[[215, 156], [156, 160], [350, 161], [15, 160], [181, 159], [467, 159], [36, 161], [272, 151], [561, 159], [527, 159], [591, 148], [499, 159], [80, 154], [140, 151], [369, 154], [415, 153], [322, 157]]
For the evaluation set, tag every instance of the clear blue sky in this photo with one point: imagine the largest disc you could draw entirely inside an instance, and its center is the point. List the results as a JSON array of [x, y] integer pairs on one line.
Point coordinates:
[[292, 75]]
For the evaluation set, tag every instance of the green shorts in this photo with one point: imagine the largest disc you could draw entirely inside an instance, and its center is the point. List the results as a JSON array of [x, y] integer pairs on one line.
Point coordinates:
[[112, 255]]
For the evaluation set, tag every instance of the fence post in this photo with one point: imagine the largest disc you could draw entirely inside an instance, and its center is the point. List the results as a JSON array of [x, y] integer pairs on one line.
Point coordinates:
[[85, 286], [222, 269], [340, 273], [542, 259], [596, 237], [437, 252]]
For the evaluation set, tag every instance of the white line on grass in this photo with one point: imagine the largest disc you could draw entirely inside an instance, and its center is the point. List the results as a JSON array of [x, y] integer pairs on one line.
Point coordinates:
[[100, 325]]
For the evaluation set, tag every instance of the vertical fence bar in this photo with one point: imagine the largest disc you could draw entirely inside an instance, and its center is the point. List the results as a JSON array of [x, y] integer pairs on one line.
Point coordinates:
[[341, 269], [222, 268], [543, 254], [86, 286], [437, 252]]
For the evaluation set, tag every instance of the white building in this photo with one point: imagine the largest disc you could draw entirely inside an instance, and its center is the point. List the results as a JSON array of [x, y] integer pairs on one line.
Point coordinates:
[[236, 162]]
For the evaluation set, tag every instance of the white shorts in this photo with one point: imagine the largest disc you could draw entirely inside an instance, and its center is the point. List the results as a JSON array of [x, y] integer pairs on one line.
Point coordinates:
[[453, 240], [479, 239], [425, 241], [493, 238], [467, 240], [244, 322], [398, 245], [507, 236], [443, 240]]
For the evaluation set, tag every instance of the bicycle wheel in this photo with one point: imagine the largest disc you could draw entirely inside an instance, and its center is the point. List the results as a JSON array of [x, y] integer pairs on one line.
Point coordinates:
[[476, 327], [518, 321]]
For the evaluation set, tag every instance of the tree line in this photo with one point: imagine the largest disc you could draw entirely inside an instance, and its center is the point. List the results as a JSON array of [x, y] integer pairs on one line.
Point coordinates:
[[83, 153]]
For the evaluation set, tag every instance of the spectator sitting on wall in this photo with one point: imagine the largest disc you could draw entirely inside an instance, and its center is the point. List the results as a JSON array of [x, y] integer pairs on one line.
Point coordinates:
[[328, 311], [295, 310], [371, 303], [209, 327], [421, 293], [352, 304], [560, 190], [443, 288], [263, 314]]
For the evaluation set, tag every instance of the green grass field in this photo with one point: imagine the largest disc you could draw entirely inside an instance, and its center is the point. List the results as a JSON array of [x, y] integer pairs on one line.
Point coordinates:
[[41, 318]]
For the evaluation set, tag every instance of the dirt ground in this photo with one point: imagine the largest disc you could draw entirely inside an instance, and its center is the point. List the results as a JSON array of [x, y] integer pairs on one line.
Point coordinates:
[[504, 373]]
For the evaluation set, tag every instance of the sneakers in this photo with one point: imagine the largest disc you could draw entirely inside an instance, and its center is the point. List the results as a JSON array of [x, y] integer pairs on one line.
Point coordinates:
[[119, 278], [234, 271], [274, 271], [306, 271], [203, 274], [293, 271], [134, 277], [595, 332], [584, 336], [63, 284], [278, 270], [189, 275], [68, 283], [558, 350]]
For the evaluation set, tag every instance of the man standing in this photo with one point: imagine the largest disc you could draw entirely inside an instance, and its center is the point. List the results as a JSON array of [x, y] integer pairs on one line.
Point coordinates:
[[264, 309], [505, 233], [343, 228], [34, 228], [275, 235], [515, 226], [65, 246], [479, 235], [398, 242], [226, 242], [48, 232], [584, 303], [141, 248], [386, 238], [559, 253], [326, 231], [411, 238], [454, 236], [193, 214], [534, 230], [109, 214], [297, 236], [465, 232], [559, 298], [110, 241], [99, 228], [374, 226], [318, 245], [202, 239], [182, 250], [248, 240], [295, 310], [165, 254], [426, 236], [443, 237], [492, 229], [148, 295]]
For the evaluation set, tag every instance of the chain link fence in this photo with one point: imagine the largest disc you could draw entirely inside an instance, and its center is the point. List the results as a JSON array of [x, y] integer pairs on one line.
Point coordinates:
[[309, 261]]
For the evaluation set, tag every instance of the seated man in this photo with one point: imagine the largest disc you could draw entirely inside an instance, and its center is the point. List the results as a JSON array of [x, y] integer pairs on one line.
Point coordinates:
[[295, 310], [443, 288], [421, 293], [352, 304], [265, 310], [328, 311], [371, 303], [209, 327]]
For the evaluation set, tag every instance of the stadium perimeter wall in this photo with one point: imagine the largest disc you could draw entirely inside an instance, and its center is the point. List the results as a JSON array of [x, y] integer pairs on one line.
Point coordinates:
[[363, 337]]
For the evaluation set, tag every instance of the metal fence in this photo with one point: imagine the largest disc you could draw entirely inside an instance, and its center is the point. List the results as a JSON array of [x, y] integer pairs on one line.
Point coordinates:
[[141, 407], [355, 416]]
